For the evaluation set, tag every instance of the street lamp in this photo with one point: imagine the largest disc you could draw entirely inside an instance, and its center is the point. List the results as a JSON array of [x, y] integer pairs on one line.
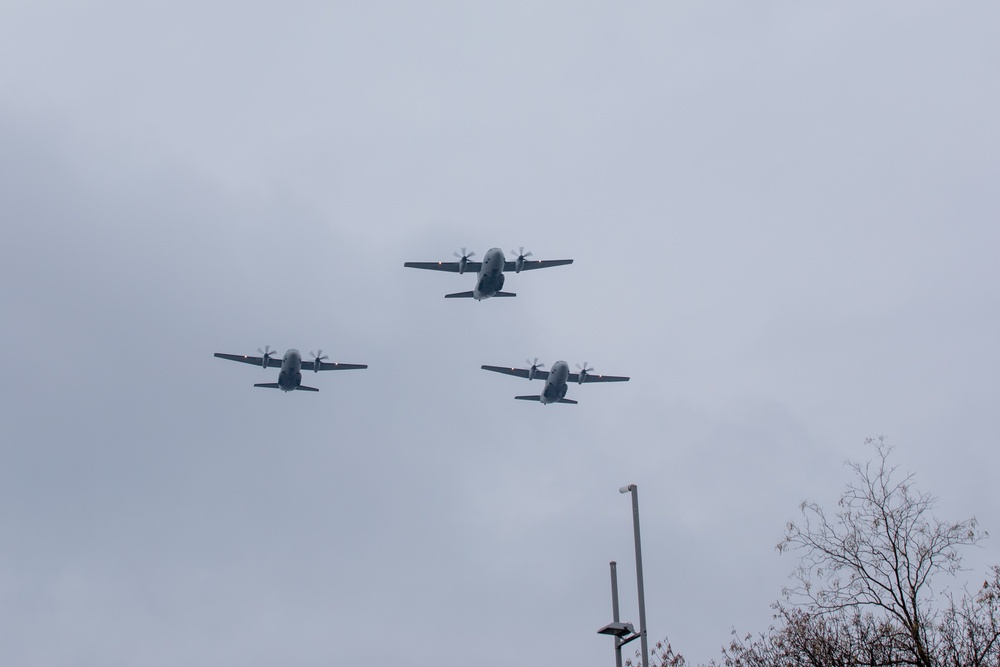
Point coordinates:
[[623, 632]]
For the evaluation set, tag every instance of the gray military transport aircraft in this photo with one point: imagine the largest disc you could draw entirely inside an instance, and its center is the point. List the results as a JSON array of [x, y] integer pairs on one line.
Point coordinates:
[[290, 376], [489, 272], [555, 379]]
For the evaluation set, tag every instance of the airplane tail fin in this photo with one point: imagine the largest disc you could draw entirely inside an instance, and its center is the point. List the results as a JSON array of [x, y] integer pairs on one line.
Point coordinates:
[[302, 387], [504, 294]]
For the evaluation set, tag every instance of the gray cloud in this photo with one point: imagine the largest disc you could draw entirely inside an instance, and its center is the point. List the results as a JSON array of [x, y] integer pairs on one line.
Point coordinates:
[[783, 220]]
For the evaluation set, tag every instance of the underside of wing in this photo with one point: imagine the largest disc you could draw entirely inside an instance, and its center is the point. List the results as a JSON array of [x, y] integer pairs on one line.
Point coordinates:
[[451, 267], [575, 377], [536, 264], [331, 366], [256, 361], [517, 372]]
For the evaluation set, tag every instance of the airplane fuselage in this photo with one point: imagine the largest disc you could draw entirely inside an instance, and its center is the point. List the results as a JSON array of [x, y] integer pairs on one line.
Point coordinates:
[[555, 385], [490, 278], [290, 376]]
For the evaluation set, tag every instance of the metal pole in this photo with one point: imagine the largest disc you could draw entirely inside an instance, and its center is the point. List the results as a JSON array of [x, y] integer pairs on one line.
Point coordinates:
[[638, 575], [614, 610]]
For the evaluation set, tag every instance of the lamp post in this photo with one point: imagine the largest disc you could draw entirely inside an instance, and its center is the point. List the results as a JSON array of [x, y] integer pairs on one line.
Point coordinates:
[[624, 632], [638, 571]]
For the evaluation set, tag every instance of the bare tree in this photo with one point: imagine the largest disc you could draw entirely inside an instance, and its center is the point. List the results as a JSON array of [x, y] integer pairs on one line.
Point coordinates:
[[863, 593], [878, 552], [662, 655], [804, 639], [969, 632]]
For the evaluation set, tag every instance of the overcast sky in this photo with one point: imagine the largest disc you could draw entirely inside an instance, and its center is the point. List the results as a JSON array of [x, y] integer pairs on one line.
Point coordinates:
[[784, 221]]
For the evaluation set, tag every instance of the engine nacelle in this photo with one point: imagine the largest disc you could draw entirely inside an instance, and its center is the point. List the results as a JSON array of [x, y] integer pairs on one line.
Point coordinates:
[[519, 264], [462, 263], [583, 377], [531, 372]]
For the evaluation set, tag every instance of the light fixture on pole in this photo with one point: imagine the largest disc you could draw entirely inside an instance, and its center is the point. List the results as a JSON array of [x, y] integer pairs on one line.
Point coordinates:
[[622, 632]]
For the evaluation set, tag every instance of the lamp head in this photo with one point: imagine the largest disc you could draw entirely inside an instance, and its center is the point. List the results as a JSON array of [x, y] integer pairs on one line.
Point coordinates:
[[618, 630], [626, 489]]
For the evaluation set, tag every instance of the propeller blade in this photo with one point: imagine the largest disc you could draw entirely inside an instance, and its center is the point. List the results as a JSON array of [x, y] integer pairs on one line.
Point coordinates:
[[318, 358]]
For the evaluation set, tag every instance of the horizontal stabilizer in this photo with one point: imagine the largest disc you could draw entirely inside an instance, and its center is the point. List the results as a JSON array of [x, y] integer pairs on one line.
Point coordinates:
[[268, 385], [470, 295], [538, 398], [302, 387]]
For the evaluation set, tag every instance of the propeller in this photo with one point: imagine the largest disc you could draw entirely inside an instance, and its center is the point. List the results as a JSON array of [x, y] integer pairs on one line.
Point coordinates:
[[318, 358], [519, 262], [265, 355], [583, 372], [534, 367], [463, 259]]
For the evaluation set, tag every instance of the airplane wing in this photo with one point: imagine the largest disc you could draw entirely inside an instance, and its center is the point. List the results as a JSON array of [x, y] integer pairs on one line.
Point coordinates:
[[536, 264], [595, 377], [331, 366], [273, 362], [452, 267], [517, 372]]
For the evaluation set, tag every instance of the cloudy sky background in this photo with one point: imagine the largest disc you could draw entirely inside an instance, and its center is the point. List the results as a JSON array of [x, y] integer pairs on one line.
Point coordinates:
[[784, 221]]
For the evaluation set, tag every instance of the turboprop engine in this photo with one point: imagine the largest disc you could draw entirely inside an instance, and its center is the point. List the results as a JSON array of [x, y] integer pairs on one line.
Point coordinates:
[[265, 355], [519, 262], [534, 367], [463, 260], [318, 358]]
